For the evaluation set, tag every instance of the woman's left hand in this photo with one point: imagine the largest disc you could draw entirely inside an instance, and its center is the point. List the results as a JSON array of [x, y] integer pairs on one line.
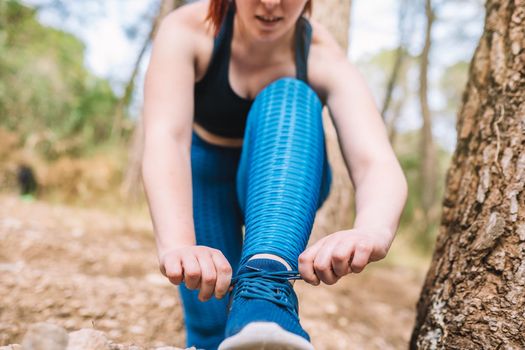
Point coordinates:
[[343, 252]]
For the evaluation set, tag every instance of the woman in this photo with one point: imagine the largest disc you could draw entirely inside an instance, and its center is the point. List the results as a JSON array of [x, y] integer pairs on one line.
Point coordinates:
[[233, 137]]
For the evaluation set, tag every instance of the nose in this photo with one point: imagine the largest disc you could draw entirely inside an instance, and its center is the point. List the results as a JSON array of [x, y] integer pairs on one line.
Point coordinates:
[[270, 3]]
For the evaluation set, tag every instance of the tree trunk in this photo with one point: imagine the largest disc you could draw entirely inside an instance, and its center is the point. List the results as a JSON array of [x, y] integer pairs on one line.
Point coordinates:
[[474, 293], [335, 16], [336, 213], [130, 187], [428, 169], [404, 32]]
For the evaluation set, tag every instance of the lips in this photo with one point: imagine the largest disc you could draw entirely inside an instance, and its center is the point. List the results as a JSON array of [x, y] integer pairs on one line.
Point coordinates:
[[268, 19]]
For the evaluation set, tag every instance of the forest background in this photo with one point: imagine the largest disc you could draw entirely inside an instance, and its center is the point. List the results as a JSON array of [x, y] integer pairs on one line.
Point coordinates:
[[71, 78], [65, 67]]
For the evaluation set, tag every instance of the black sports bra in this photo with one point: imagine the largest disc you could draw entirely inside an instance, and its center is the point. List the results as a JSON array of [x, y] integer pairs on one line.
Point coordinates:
[[217, 107]]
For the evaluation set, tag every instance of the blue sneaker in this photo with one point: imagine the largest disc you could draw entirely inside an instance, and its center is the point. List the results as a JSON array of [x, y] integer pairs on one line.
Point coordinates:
[[263, 311]]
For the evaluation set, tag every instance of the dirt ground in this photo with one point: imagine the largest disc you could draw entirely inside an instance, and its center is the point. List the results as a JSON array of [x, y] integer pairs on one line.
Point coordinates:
[[85, 268]]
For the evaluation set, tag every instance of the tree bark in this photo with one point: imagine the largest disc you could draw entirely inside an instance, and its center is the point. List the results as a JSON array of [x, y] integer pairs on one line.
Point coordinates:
[[474, 293]]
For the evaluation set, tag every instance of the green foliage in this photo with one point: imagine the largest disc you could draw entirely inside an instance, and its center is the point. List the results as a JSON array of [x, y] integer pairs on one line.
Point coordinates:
[[45, 88]]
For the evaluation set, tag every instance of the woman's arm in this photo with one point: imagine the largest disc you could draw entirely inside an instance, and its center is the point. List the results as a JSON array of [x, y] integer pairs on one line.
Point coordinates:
[[167, 118], [166, 163], [380, 186]]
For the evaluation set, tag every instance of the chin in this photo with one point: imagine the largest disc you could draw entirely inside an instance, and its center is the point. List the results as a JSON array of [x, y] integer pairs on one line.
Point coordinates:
[[268, 35]]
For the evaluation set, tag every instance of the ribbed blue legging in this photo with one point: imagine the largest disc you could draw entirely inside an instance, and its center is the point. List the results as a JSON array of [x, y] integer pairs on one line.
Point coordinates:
[[273, 185]]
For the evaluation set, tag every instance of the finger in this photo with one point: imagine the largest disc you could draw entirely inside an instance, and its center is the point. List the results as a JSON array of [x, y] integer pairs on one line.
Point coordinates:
[[192, 271], [162, 263], [323, 263], [341, 256], [208, 275], [173, 269], [224, 274], [361, 257], [306, 263]]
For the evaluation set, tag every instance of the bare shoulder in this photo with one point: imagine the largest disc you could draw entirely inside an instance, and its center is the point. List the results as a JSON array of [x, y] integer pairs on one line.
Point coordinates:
[[191, 16], [325, 59], [186, 28]]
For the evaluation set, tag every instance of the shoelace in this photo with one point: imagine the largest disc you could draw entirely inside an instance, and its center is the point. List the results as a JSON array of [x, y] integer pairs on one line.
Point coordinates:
[[269, 285]]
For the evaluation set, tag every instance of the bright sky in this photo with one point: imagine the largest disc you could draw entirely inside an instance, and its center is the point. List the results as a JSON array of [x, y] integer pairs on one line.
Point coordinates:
[[110, 53]]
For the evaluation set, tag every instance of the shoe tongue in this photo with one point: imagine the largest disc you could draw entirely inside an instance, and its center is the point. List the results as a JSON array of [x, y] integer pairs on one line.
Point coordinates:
[[263, 264]]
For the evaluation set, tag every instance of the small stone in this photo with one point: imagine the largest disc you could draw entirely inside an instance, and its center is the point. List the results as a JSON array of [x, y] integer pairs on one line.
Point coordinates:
[[108, 323], [90, 312], [115, 346], [12, 267], [157, 279], [167, 303], [11, 224], [343, 321], [331, 308], [70, 324], [45, 336], [521, 232], [136, 329], [515, 47], [115, 333], [77, 232], [87, 339], [76, 304], [111, 313]]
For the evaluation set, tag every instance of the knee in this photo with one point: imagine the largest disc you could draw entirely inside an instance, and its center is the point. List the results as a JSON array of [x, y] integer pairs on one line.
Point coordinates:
[[289, 87], [292, 92], [290, 84]]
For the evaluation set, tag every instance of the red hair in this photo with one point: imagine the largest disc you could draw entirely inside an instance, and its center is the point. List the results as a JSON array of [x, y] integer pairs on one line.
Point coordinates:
[[218, 8]]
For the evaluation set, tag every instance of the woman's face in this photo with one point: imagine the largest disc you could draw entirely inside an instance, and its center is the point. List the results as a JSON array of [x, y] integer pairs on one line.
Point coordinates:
[[267, 20]]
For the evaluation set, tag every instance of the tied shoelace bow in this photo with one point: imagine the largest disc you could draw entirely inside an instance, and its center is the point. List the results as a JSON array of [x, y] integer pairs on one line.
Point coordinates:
[[269, 285]]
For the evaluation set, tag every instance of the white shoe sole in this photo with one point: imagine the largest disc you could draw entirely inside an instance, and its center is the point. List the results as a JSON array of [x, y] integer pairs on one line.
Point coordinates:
[[265, 336]]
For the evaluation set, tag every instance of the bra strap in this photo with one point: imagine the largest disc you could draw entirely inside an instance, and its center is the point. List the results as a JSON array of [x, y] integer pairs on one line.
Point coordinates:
[[303, 41]]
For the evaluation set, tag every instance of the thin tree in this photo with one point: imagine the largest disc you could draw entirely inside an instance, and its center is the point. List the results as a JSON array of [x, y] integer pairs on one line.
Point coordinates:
[[335, 16], [165, 7], [130, 187], [404, 32], [428, 170]]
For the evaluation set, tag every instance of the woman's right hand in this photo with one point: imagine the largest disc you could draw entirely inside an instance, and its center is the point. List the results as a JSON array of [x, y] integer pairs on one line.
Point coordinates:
[[199, 267]]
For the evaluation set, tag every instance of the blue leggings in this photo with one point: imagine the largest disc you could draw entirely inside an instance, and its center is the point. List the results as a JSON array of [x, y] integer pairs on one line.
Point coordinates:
[[273, 185]]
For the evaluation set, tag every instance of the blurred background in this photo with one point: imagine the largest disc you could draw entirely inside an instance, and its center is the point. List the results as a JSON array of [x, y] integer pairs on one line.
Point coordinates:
[[77, 245]]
